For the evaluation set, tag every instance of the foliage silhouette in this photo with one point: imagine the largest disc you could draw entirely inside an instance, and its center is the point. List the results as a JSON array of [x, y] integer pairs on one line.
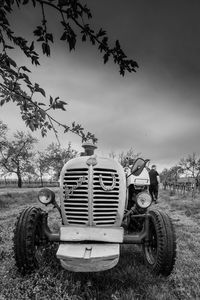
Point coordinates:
[[16, 85]]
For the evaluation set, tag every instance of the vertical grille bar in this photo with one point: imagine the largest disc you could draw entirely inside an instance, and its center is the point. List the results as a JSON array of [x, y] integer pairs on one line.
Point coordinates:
[[75, 195], [105, 196]]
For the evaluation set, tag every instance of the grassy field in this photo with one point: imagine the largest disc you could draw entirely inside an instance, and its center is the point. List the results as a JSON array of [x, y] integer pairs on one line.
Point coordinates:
[[130, 279]]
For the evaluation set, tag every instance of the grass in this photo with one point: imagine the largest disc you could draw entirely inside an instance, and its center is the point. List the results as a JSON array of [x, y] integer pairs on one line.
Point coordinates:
[[130, 279]]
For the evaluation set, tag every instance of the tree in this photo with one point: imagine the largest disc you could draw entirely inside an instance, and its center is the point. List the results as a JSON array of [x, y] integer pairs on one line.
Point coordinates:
[[191, 166], [41, 163], [17, 86], [163, 177], [3, 130], [128, 157], [56, 157], [16, 155], [170, 175]]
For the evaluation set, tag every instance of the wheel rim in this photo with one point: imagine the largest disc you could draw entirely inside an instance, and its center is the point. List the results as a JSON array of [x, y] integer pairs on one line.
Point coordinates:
[[151, 248]]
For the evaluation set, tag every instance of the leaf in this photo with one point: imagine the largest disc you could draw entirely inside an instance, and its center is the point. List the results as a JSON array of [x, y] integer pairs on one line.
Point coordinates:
[[12, 62], [101, 33], [71, 38], [43, 132], [31, 126], [64, 36], [83, 37], [40, 39], [63, 102], [2, 102], [51, 100], [92, 39], [67, 128], [34, 60], [43, 114], [121, 71], [105, 40], [34, 3], [8, 47], [24, 68], [40, 90], [49, 37], [32, 46], [46, 49], [30, 87], [38, 31], [117, 44], [63, 23], [106, 57], [134, 64]]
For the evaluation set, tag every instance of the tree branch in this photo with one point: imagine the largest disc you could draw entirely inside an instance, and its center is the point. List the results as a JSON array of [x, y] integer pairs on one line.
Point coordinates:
[[65, 127]]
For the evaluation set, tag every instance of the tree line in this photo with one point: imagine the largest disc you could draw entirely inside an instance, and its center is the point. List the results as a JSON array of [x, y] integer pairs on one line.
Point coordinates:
[[185, 172], [18, 155]]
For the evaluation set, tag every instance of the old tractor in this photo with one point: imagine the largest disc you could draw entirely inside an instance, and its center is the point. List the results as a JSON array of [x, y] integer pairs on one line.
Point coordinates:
[[98, 213]]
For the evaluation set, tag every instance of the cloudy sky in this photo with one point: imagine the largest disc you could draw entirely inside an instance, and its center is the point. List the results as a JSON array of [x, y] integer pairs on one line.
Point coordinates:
[[156, 110]]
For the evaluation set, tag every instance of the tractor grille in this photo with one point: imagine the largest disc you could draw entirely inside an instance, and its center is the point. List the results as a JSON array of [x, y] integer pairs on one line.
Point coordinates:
[[105, 191], [105, 202], [76, 204]]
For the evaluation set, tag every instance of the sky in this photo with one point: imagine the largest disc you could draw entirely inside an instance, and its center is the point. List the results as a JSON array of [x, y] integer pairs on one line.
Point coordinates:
[[155, 110]]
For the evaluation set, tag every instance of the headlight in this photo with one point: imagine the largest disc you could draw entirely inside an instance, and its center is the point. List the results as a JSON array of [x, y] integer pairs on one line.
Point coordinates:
[[46, 196], [143, 200]]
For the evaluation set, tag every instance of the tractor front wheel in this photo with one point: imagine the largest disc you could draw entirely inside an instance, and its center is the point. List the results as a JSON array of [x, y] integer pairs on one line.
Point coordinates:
[[28, 240], [160, 251]]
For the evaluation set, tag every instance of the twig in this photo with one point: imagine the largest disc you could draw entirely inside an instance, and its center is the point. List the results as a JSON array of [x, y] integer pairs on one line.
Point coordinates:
[[55, 132]]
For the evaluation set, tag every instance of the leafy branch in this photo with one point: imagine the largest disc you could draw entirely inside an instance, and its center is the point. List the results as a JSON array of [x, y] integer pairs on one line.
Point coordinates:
[[17, 86], [36, 117]]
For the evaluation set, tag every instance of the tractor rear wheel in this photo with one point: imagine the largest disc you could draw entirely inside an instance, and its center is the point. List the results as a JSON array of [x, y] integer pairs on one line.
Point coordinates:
[[28, 240], [160, 251]]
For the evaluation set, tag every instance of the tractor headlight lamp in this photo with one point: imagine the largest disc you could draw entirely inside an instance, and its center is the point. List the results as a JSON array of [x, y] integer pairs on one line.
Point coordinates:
[[46, 196], [143, 200]]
